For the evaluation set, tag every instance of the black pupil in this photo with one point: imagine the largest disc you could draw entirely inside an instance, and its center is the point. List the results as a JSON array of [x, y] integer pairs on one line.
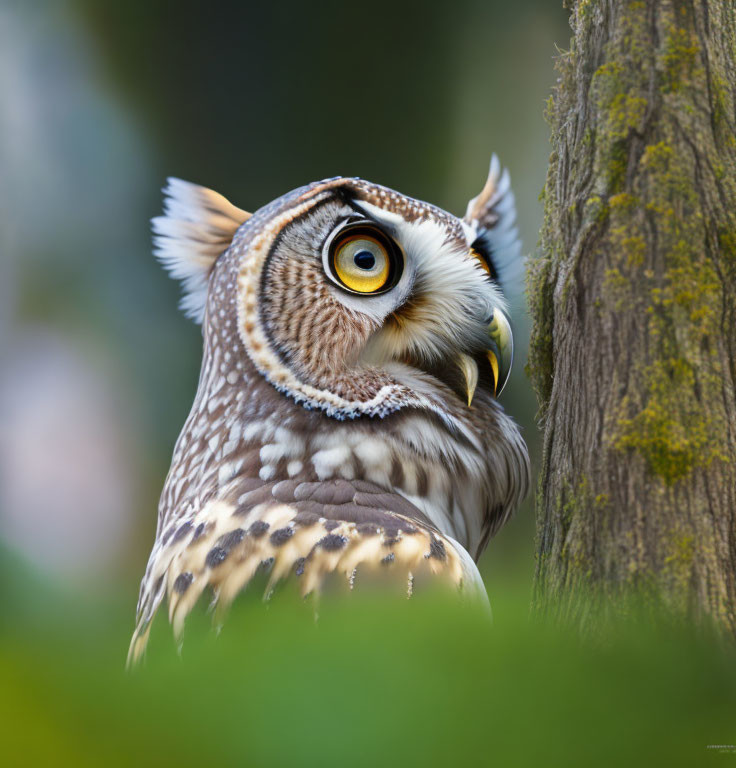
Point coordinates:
[[364, 260]]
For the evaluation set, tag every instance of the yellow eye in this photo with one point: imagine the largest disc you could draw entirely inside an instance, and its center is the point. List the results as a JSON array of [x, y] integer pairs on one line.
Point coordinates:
[[362, 262]]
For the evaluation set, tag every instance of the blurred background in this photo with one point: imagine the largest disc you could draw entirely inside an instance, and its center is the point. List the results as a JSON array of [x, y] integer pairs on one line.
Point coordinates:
[[102, 101]]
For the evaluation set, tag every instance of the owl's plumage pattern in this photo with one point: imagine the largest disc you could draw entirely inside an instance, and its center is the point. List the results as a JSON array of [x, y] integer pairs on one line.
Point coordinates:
[[329, 434]]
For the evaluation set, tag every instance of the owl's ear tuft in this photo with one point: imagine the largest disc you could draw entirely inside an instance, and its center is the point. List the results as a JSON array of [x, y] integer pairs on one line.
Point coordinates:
[[492, 217], [197, 226]]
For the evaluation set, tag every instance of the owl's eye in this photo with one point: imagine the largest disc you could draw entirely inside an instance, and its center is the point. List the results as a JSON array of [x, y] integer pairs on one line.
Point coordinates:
[[362, 264], [364, 260]]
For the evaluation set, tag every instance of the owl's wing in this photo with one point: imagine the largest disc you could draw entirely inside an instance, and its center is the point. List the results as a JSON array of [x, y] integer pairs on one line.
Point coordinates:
[[350, 528], [492, 216]]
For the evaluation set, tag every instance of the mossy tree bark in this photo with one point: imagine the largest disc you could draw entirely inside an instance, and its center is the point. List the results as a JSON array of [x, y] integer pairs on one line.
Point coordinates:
[[633, 297]]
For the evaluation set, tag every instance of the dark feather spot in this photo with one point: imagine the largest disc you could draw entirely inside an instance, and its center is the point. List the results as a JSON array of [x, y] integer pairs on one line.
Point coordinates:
[[330, 525], [390, 557], [332, 542], [258, 529], [221, 550], [437, 549], [299, 566], [198, 532], [281, 536], [183, 580], [215, 557], [264, 565], [367, 529], [229, 540], [182, 532]]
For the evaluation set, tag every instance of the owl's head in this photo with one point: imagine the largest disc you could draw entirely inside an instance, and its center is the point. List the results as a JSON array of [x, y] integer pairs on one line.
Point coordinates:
[[349, 297]]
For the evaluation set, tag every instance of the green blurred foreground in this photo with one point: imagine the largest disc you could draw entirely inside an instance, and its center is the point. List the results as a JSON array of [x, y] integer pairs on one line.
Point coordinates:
[[372, 683]]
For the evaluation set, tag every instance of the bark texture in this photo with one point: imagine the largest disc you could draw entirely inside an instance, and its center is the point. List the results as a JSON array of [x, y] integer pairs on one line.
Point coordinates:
[[633, 350]]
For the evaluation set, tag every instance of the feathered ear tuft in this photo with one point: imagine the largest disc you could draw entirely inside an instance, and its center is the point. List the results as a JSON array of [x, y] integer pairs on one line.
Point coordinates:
[[492, 216], [197, 226]]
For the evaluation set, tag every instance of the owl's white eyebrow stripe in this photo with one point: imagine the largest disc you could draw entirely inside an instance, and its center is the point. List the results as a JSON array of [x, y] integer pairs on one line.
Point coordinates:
[[355, 205]]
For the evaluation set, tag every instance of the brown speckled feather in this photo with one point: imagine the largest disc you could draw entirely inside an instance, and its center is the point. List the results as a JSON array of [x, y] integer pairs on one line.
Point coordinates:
[[307, 530]]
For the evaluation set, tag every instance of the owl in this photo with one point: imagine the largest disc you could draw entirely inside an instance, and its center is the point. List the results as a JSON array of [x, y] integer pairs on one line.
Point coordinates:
[[346, 425]]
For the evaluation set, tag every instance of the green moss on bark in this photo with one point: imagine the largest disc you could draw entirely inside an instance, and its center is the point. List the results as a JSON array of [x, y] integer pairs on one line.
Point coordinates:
[[670, 432], [539, 367]]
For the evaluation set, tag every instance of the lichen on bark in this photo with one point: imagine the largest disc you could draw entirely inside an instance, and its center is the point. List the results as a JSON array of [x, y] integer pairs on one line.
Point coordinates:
[[633, 297]]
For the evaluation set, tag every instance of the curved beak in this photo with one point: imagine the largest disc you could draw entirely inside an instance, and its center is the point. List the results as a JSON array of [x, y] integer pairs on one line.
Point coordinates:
[[500, 356]]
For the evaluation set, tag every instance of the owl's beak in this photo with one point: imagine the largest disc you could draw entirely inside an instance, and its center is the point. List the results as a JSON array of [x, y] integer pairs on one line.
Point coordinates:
[[500, 356]]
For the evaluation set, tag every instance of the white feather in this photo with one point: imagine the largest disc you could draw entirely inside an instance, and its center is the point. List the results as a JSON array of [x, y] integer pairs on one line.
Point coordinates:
[[453, 304], [197, 226]]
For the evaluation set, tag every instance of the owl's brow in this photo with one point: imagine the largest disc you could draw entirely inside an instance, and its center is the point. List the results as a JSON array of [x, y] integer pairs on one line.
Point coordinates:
[[350, 200]]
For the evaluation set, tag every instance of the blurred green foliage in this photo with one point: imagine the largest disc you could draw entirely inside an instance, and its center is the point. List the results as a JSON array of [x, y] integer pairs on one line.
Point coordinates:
[[371, 682]]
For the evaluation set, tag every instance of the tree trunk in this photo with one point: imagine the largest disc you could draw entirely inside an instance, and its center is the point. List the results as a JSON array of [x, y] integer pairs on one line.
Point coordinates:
[[633, 297]]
